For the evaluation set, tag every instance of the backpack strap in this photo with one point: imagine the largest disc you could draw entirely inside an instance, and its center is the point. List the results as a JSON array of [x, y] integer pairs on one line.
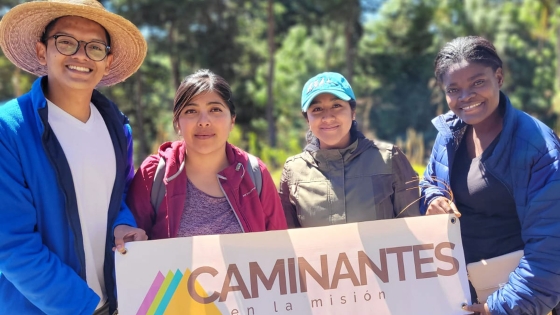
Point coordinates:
[[158, 187], [255, 172]]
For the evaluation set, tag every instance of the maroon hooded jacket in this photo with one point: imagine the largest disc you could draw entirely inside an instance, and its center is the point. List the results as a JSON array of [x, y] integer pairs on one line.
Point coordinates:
[[255, 214]]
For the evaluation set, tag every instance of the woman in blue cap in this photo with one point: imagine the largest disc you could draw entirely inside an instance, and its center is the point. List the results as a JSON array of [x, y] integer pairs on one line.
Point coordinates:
[[341, 176]]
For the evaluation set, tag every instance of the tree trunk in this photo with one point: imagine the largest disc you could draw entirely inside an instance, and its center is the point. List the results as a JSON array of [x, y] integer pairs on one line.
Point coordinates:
[[349, 43], [330, 45], [140, 136], [364, 107], [174, 55], [350, 35], [270, 83], [558, 58], [556, 101]]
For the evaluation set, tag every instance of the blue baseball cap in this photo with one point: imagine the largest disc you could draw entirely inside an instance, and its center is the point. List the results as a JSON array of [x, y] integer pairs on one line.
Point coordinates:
[[327, 82]]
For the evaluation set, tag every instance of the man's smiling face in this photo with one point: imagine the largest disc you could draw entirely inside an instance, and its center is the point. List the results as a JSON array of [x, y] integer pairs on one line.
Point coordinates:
[[77, 71]]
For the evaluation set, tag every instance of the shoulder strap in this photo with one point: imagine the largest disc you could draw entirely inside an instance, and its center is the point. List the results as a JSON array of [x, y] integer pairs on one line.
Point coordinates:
[[255, 172], [158, 187]]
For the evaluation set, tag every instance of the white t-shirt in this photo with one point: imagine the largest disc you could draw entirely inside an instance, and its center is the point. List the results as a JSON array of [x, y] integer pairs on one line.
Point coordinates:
[[91, 156]]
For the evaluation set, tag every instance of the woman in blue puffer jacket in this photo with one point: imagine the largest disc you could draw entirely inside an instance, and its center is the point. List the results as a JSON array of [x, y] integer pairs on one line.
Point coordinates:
[[497, 168]]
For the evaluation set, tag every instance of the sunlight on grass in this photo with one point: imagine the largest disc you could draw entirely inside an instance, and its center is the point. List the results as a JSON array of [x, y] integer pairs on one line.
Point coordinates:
[[276, 174], [419, 169]]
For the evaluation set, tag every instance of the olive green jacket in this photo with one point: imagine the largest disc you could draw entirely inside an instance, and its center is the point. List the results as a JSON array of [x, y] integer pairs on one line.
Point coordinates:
[[368, 180]]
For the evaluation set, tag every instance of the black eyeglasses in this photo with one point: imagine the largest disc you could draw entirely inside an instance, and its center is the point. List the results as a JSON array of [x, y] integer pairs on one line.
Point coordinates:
[[68, 46]]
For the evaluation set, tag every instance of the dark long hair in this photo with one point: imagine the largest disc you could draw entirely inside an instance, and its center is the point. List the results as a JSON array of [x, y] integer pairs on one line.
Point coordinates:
[[202, 81], [473, 49]]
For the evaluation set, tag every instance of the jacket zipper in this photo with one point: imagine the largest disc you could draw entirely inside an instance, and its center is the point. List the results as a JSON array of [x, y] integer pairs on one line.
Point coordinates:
[[499, 179], [455, 148], [78, 244], [230, 204]]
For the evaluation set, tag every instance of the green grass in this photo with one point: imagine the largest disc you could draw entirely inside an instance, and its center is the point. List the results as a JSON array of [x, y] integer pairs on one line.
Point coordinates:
[[276, 174], [419, 169]]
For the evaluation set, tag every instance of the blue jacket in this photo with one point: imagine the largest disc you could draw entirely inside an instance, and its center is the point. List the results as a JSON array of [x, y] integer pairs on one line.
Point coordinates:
[[42, 262], [526, 160]]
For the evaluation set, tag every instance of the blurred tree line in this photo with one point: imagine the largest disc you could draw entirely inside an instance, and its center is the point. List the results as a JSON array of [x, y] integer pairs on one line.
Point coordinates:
[[267, 50]]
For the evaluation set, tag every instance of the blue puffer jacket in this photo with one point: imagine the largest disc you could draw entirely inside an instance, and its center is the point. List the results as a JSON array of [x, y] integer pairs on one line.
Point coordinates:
[[526, 160], [42, 261]]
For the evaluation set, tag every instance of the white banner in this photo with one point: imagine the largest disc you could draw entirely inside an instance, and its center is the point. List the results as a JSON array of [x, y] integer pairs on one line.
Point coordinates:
[[398, 266]]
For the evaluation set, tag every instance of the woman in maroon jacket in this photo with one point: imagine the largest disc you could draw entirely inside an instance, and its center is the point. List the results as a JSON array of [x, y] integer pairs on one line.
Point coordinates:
[[208, 184]]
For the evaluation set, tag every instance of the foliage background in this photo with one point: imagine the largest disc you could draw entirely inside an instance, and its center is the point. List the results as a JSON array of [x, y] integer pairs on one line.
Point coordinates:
[[267, 49]]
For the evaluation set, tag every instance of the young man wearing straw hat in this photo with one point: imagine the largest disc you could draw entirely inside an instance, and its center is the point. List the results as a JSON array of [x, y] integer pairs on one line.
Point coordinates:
[[66, 154]]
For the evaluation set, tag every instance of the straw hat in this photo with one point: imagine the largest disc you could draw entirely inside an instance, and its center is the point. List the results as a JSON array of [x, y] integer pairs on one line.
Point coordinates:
[[22, 27]]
